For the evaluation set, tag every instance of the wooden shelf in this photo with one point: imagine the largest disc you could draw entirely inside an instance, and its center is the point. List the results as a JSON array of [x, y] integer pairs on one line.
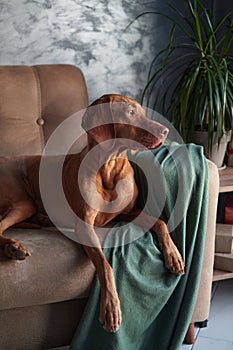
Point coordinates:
[[221, 275], [225, 185], [226, 180]]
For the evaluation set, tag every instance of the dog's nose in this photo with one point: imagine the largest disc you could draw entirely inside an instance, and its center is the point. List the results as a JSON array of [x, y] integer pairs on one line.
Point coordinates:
[[164, 131]]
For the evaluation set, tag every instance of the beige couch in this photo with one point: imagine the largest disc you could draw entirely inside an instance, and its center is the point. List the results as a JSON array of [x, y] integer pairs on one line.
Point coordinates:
[[42, 298]]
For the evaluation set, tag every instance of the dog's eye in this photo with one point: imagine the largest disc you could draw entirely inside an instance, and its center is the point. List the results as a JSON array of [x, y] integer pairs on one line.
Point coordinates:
[[132, 112]]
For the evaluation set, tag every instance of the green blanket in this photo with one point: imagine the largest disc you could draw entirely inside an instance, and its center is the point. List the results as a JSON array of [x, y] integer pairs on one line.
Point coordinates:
[[157, 306]]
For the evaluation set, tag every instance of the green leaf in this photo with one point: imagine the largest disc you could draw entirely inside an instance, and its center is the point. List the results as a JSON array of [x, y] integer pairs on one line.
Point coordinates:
[[192, 77]]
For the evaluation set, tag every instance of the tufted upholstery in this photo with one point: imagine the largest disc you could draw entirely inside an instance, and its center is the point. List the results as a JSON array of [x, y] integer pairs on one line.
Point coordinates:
[[34, 101]]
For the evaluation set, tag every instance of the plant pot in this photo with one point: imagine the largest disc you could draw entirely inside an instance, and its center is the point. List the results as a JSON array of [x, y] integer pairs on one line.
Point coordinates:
[[218, 151]]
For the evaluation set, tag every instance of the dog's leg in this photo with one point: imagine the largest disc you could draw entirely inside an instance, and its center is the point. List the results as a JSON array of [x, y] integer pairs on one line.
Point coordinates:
[[172, 257], [19, 212], [110, 311]]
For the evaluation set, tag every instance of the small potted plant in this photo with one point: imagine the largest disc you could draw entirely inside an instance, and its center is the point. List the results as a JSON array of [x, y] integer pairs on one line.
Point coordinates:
[[191, 79]]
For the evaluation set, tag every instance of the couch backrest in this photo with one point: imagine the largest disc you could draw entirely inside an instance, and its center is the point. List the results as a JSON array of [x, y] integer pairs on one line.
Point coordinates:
[[34, 100]]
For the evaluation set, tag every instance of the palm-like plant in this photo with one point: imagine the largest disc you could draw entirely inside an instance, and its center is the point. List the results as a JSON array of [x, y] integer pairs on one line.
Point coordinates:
[[192, 78]]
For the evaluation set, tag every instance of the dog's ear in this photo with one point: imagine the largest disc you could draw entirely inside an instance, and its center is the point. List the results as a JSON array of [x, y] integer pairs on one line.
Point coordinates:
[[98, 120]]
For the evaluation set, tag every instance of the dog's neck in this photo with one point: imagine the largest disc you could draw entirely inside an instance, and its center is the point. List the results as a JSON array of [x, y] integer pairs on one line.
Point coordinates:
[[104, 152], [100, 169], [109, 162]]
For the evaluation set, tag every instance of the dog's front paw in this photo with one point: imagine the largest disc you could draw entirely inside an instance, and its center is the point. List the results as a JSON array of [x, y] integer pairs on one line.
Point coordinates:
[[15, 250], [173, 259], [110, 313]]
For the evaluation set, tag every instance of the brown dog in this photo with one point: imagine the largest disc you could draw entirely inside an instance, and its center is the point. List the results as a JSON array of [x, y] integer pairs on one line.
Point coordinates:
[[112, 118]]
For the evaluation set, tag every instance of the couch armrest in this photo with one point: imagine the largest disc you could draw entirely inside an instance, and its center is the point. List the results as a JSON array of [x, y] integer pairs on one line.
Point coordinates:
[[202, 307]]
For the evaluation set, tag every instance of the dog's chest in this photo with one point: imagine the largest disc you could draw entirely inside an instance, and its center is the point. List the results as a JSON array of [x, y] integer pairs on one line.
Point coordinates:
[[117, 196]]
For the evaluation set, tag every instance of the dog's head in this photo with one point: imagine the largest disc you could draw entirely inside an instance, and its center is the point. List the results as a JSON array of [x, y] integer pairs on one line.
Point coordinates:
[[119, 117]]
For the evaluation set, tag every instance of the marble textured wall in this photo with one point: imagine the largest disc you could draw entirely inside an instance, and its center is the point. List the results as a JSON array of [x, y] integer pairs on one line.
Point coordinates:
[[90, 34]]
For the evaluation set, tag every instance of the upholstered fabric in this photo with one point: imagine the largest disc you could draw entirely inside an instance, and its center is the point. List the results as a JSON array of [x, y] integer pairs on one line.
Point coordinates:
[[20, 132], [202, 307], [40, 327], [57, 270], [34, 101], [39, 308]]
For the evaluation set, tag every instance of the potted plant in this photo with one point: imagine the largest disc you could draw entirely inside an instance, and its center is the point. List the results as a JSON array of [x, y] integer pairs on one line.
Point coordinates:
[[191, 79]]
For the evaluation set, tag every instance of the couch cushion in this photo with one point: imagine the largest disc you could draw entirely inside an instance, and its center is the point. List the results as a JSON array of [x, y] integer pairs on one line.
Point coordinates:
[[57, 270], [34, 100], [20, 132], [63, 92]]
